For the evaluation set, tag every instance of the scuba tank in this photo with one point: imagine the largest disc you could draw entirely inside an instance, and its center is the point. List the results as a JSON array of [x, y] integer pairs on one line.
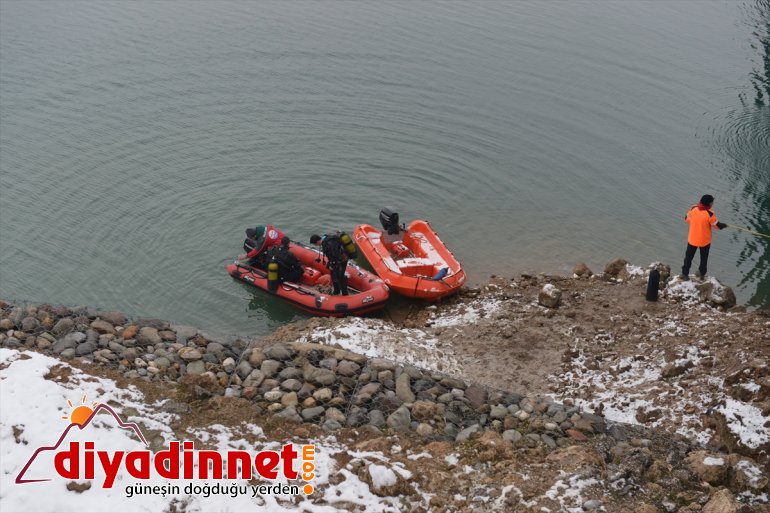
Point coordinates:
[[273, 278], [347, 243]]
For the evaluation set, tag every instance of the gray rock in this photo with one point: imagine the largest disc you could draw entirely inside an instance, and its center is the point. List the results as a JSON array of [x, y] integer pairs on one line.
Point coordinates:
[[29, 324], [306, 390], [376, 418], [256, 357], [331, 425], [348, 368], [549, 296], [215, 348], [357, 417], [278, 352], [85, 348], [498, 412], [273, 395], [103, 327], [114, 318], [290, 373], [290, 414], [322, 376], [581, 270], [68, 353], [162, 362], [476, 395], [511, 435], [323, 395], [592, 504], [228, 365], [328, 363], [210, 358], [243, 369], [63, 344], [614, 268], [380, 364], [269, 368], [466, 433], [292, 385], [64, 326], [114, 346], [189, 354], [312, 413], [196, 367], [175, 407], [148, 336], [185, 333], [370, 389], [453, 383], [289, 399], [335, 414], [547, 440], [403, 388], [254, 379], [400, 420], [157, 324]]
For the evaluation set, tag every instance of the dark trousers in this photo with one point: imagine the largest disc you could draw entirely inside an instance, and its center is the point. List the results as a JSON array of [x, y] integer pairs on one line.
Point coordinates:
[[690, 254], [339, 280]]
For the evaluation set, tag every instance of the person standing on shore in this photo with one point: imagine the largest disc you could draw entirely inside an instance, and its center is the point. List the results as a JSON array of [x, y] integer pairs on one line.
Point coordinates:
[[701, 220]]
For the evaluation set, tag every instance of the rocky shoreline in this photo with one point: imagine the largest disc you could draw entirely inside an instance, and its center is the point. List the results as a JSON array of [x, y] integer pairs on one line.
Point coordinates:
[[308, 375]]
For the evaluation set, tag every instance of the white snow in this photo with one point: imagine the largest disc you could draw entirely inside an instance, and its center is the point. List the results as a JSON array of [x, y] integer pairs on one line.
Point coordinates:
[[713, 462], [452, 459], [746, 422], [382, 476]]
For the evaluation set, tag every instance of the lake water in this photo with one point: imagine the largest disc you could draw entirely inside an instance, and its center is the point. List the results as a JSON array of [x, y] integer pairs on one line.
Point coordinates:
[[139, 139]]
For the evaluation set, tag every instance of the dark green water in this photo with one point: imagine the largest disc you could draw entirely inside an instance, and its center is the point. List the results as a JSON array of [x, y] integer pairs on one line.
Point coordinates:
[[139, 139]]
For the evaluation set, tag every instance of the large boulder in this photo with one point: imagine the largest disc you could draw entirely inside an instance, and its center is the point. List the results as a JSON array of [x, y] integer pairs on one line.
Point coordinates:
[[614, 268], [581, 270], [549, 296], [713, 292]]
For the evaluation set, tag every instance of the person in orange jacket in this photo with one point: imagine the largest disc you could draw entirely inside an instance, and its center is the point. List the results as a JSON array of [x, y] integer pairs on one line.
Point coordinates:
[[701, 220]]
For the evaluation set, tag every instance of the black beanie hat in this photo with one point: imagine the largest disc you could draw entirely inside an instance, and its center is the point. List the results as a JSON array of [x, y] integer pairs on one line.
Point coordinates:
[[251, 233], [707, 199]]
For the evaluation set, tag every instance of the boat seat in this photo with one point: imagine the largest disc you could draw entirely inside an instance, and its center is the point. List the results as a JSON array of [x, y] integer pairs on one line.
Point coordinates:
[[415, 266]]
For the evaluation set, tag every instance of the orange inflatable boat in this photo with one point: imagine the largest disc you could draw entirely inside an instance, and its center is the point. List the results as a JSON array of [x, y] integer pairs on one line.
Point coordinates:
[[411, 260], [368, 293]]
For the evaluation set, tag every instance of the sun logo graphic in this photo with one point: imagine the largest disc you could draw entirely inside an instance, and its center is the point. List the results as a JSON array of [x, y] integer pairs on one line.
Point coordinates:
[[80, 414]]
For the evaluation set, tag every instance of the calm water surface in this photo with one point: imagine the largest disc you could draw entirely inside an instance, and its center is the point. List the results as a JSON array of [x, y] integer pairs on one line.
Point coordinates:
[[139, 139]]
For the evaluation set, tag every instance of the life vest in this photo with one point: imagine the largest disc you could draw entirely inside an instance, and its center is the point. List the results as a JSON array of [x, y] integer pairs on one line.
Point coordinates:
[[701, 222]]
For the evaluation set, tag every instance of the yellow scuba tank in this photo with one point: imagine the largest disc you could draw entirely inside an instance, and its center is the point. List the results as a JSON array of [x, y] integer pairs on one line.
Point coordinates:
[[347, 243], [272, 276]]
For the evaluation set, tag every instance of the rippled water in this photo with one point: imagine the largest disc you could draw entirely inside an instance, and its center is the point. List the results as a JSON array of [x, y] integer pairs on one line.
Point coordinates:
[[139, 139]]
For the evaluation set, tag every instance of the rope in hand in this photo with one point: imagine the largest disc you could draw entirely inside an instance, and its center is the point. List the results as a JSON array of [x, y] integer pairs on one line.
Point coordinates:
[[749, 231]]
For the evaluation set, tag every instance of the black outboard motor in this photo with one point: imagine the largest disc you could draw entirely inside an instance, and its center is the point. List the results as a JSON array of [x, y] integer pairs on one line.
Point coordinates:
[[389, 220]]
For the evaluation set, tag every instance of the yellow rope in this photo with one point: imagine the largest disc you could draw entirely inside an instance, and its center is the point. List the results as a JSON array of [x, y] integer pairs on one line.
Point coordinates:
[[749, 231]]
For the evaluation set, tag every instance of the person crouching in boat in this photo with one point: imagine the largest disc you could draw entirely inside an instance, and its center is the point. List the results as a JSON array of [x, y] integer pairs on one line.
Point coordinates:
[[336, 260], [289, 266], [258, 241]]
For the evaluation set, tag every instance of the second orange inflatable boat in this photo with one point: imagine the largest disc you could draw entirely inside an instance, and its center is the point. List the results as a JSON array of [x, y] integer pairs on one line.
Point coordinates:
[[412, 260]]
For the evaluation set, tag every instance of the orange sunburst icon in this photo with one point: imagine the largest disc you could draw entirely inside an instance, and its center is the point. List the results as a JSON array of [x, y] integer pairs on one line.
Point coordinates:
[[80, 414]]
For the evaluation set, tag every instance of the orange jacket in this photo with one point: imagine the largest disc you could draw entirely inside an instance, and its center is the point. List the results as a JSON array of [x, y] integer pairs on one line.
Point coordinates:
[[701, 222]]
